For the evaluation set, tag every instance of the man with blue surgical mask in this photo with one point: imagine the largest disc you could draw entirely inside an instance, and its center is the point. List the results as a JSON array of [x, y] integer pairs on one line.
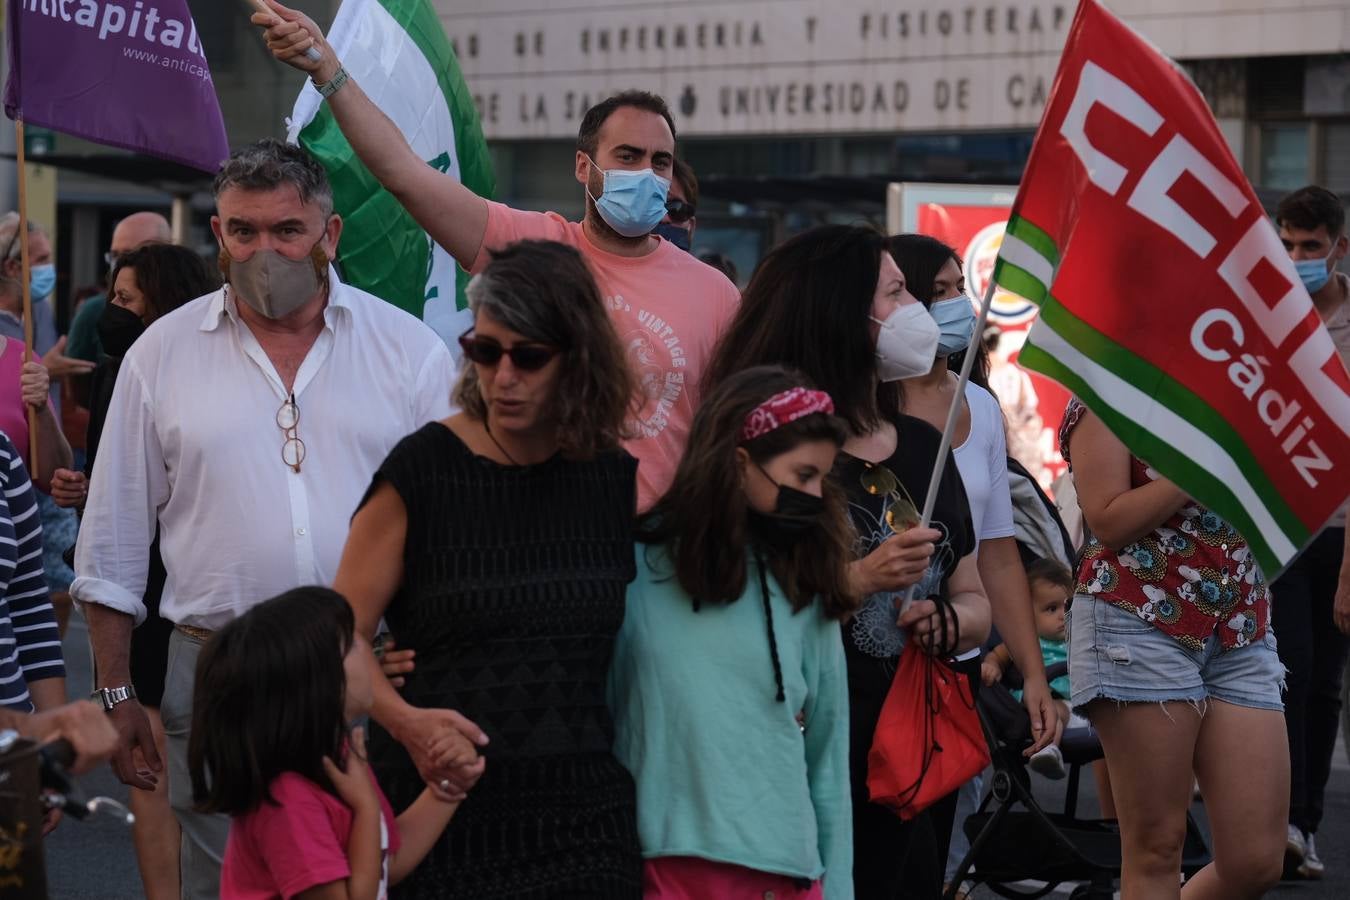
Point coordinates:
[[667, 307], [1310, 601]]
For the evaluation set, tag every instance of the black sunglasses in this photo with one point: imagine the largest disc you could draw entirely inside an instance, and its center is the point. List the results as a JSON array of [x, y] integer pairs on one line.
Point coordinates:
[[679, 211], [487, 352]]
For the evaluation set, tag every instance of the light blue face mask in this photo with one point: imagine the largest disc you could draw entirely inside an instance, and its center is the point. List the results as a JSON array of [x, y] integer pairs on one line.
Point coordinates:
[[42, 280], [1314, 273], [633, 203], [956, 323]]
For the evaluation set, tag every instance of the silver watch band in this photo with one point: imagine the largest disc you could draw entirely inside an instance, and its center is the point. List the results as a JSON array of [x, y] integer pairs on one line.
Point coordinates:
[[332, 85], [110, 697]]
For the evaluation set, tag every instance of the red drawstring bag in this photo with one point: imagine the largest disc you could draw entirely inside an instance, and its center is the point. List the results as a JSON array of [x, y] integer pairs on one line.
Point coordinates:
[[928, 740]]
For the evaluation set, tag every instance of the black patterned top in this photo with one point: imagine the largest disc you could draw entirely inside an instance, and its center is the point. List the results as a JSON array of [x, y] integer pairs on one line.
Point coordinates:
[[513, 592]]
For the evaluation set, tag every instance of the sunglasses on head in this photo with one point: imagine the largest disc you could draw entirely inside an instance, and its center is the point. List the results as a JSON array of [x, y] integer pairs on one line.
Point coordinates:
[[679, 211], [487, 351]]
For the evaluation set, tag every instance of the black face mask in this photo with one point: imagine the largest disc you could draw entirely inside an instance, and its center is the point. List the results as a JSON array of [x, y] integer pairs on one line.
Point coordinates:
[[118, 329], [795, 514], [676, 234]]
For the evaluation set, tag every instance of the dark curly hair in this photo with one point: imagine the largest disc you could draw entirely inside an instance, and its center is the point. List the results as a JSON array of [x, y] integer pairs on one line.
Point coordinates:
[[167, 275], [544, 291], [269, 163]]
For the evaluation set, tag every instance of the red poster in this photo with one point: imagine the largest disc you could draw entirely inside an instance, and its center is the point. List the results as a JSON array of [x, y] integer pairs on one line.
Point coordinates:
[[977, 234]]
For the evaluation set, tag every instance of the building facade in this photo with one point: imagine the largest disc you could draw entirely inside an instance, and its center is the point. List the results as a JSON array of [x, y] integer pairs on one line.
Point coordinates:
[[798, 111], [791, 111]]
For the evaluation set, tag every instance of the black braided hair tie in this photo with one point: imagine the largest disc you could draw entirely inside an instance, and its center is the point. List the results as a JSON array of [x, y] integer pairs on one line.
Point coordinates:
[[768, 616]]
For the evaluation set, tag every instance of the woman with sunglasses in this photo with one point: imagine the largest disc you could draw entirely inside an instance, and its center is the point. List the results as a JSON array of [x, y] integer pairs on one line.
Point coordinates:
[[832, 303], [497, 544]]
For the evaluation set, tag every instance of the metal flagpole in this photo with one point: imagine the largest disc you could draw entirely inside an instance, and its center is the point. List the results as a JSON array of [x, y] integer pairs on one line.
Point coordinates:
[[953, 415], [27, 291]]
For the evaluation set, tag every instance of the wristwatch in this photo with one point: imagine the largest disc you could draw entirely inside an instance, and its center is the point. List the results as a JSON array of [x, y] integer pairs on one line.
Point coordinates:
[[332, 85], [110, 697]]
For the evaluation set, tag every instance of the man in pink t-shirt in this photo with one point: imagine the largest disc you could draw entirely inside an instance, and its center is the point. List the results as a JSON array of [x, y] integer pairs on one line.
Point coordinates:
[[668, 307]]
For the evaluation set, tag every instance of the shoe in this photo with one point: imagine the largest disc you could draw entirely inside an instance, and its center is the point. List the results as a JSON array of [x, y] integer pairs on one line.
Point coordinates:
[[1295, 854], [1049, 763], [1312, 867]]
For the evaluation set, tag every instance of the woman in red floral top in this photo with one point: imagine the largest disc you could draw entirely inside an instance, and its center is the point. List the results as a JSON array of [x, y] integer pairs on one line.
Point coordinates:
[[1173, 660]]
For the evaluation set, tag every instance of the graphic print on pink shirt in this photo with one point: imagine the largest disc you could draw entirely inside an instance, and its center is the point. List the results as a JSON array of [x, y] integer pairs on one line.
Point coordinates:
[[668, 308]]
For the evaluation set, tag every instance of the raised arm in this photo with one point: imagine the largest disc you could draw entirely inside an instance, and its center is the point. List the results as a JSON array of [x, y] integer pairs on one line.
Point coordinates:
[[454, 216]]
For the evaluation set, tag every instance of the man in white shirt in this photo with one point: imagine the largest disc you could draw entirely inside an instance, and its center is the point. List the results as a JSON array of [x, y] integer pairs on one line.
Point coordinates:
[[246, 425]]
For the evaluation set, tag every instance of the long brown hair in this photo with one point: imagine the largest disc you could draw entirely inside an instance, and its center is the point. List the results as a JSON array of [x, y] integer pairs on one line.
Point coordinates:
[[807, 306], [544, 291], [702, 518]]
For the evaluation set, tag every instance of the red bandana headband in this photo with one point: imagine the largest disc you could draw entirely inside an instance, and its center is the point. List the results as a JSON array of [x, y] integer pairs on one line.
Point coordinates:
[[780, 409]]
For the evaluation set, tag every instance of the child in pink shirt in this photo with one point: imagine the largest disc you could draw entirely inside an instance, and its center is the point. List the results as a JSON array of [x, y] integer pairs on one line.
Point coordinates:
[[275, 690]]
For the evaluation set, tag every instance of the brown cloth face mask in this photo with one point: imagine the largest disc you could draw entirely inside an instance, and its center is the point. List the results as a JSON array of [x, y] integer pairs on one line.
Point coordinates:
[[274, 285]]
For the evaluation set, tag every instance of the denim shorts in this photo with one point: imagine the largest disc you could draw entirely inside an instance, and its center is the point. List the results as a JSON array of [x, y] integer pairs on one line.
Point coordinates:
[[1115, 655]]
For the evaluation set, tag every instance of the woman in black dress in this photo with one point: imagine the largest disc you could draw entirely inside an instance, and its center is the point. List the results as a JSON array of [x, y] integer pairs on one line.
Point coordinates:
[[833, 304], [498, 546], [147, 283]]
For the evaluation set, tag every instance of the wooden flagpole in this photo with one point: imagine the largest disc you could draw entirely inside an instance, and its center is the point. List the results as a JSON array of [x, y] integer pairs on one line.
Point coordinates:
[[27, 290]]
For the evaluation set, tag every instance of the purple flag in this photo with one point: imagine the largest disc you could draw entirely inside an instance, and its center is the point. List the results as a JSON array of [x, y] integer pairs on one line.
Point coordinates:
[[127, 74]]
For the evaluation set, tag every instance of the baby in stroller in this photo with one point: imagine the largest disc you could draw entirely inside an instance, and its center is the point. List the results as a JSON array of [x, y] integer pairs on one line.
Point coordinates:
[[1051, 586]]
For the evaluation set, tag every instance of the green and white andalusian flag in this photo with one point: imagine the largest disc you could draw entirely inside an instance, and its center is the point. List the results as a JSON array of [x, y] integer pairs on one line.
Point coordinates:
[[398, 52]]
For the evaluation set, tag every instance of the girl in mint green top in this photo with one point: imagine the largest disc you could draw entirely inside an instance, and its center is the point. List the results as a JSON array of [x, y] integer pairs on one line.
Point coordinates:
[[728, 685]]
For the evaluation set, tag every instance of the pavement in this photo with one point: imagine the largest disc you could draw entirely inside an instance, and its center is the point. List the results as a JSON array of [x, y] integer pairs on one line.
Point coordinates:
[[94, 860]]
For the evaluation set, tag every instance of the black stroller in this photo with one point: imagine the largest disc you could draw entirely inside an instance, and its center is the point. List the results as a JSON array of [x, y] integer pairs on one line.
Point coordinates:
[[1012, 839]]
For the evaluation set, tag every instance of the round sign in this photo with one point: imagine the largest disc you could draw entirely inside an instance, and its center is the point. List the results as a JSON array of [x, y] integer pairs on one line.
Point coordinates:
[[981, 254]]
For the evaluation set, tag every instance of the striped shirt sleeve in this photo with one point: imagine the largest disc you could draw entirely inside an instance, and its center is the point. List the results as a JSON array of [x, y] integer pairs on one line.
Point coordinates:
[[30, 609]]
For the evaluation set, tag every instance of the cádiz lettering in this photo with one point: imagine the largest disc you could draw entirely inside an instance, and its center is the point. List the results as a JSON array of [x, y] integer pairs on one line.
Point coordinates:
[[1254, 266], [136, 20], [1247, 372]]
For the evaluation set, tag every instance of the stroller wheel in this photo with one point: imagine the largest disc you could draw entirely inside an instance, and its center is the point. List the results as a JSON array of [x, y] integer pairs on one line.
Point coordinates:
[[1002, 787], [1091, 892]]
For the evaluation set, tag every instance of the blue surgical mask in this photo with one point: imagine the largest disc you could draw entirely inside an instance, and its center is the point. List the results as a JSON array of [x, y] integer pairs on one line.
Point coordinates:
[[633, 203], [1314, 273], [676, 234], [42, 280], [956, 323]]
